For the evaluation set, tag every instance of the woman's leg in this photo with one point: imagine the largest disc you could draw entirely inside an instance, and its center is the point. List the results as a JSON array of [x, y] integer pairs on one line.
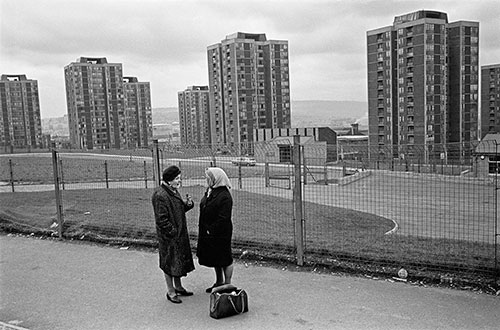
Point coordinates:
[[170, 284], [228, 273], [171, 295], [177, 283], [219, 275], [219, 279]]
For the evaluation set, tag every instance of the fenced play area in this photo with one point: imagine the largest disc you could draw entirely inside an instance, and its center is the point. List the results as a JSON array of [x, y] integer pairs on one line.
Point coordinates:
[[437, 219]]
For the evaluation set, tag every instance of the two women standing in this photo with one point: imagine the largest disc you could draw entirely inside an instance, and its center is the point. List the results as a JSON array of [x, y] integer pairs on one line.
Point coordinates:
[[214, 236]]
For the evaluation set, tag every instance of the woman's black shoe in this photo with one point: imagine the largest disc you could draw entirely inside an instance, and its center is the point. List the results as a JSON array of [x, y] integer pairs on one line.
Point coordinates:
[[183, 292], [175, 299]]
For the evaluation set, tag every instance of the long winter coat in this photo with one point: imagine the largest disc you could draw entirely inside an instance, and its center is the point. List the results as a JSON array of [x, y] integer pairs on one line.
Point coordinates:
[[170, 216], [215, 229]]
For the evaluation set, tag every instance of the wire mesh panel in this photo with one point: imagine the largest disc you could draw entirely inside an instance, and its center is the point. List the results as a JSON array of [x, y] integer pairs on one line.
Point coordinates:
[[378, 209], [109, 197], [391, 216], [26, 169]]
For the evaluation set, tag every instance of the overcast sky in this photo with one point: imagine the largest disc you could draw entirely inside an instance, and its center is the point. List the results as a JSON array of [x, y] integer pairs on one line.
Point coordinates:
[[164, 42]]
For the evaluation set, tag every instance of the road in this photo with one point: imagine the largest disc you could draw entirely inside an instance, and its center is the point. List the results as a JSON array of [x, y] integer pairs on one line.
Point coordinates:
[[64, 285]]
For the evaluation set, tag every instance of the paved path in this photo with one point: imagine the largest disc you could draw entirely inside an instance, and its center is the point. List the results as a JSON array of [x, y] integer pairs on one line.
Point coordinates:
[[51, 284]]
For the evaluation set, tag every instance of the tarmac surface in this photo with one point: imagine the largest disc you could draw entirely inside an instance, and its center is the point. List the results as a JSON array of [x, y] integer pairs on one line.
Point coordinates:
[[53, 284]]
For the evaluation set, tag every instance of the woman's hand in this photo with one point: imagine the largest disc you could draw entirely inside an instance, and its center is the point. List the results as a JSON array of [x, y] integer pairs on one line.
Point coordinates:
[[189, 200]]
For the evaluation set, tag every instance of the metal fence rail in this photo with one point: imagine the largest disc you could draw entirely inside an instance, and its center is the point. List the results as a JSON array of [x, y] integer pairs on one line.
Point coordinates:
[[430, 216]]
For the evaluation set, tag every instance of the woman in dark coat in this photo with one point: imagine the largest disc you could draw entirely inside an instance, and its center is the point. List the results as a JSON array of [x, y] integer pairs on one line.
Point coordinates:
[[170, 209], [215, 228]]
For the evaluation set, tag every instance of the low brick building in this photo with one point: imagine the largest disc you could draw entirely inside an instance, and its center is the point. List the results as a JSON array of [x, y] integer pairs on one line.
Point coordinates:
[[487, 155], [275, 144]]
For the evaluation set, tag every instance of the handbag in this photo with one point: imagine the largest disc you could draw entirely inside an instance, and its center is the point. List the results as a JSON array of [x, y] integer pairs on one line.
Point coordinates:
[[227, 300]]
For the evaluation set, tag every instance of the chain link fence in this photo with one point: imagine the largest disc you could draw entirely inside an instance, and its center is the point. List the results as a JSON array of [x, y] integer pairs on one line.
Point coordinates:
[[353, 208]]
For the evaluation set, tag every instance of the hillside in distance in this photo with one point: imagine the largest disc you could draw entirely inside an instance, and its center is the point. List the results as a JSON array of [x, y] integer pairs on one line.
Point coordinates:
[[304, 113], [164, 115], [329, 113]]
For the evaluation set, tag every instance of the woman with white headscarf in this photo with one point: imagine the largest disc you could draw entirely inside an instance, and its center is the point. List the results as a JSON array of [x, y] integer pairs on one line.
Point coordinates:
[[216, 227]]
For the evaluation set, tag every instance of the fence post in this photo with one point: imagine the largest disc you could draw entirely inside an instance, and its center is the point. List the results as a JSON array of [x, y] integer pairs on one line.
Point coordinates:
[[297, 201], [59, 206], [62, 173], [240, 183], [11, 175], [156, 164], [106, 173], [266, 174], [145, 175], [497, 234], [304, 172]]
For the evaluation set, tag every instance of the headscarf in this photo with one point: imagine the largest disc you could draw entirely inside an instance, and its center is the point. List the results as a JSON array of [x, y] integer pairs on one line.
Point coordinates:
[[217, 178]]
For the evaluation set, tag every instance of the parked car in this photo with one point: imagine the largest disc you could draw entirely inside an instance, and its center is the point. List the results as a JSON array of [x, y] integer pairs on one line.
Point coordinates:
[[244, 161]]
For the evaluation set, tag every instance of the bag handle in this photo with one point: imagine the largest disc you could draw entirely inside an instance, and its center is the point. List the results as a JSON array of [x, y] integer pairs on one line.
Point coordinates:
[[234, 306], [214, 306]]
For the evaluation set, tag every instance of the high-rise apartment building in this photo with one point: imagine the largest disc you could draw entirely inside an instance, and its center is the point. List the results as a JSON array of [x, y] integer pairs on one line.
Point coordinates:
[[20, 122], [94, 95], [194, 120], [463, 90], [490, 99], [139, 124], [423, 87], [249, 87], [104, 109]]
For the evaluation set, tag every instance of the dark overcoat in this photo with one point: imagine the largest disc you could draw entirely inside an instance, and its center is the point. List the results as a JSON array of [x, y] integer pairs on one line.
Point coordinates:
[[215, 229], [170, 210]]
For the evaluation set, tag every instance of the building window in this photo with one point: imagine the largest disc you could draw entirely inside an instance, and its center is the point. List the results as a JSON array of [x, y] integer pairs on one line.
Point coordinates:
[[494, 164], [285, 153]]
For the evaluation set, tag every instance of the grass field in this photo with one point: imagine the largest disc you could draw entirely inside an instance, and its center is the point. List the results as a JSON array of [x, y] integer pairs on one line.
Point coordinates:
[[128, 213], [38, 169]]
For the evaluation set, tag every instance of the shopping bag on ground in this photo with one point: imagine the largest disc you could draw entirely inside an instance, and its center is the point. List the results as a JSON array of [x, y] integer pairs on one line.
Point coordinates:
[[227, 300]]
